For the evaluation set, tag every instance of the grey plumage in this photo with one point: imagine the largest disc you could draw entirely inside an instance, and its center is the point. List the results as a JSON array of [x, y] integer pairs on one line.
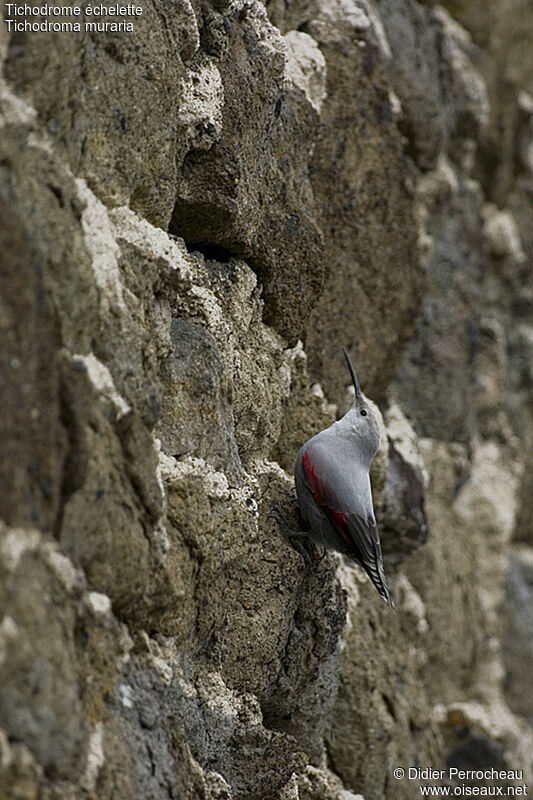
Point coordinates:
[[333, 487]]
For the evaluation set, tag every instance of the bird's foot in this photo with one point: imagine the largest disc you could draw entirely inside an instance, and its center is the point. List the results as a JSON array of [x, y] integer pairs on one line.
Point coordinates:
[[291, 534], [276, 514]]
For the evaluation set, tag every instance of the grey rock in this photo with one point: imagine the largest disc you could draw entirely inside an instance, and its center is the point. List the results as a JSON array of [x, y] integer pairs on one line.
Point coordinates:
[[517, 626], [180, 205]]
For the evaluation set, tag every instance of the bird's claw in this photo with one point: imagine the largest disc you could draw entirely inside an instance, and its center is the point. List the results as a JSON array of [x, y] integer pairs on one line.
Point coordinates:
[[276, 514]]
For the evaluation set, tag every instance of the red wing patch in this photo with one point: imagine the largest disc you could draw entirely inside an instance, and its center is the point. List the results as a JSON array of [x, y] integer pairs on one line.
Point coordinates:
[[313, 479], [337, 517]]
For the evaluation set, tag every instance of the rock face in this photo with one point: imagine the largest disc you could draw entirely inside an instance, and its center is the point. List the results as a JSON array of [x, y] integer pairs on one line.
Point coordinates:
[[195, 216]]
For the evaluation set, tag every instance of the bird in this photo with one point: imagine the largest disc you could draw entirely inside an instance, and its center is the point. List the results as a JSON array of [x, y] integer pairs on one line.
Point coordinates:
[[333, 488]]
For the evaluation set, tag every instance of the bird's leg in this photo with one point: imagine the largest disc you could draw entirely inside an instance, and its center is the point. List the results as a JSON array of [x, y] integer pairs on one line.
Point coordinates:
[[277, 514]]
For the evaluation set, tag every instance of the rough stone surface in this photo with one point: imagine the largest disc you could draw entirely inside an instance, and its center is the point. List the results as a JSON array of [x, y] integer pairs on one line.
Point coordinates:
[[517, 632], [374, 276], [194, 218]]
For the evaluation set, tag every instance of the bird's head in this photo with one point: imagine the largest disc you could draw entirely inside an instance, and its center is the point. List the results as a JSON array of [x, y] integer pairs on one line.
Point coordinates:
[[361, 419]]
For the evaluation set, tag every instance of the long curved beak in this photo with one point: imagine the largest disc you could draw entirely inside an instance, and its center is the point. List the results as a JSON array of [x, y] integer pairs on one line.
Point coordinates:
[[358, 392]]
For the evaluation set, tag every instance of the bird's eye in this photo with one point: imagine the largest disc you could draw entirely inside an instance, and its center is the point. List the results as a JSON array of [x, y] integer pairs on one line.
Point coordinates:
[[364, 412]]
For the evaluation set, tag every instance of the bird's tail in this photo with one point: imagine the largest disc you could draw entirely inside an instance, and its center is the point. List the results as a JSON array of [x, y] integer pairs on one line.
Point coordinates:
[[376, 574]]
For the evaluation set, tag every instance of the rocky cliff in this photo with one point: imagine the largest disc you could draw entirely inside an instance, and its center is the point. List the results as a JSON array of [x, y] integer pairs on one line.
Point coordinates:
[[195, 216]]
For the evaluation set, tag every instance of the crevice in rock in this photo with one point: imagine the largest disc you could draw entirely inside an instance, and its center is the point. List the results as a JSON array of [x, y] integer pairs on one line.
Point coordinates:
[[211, 251]]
